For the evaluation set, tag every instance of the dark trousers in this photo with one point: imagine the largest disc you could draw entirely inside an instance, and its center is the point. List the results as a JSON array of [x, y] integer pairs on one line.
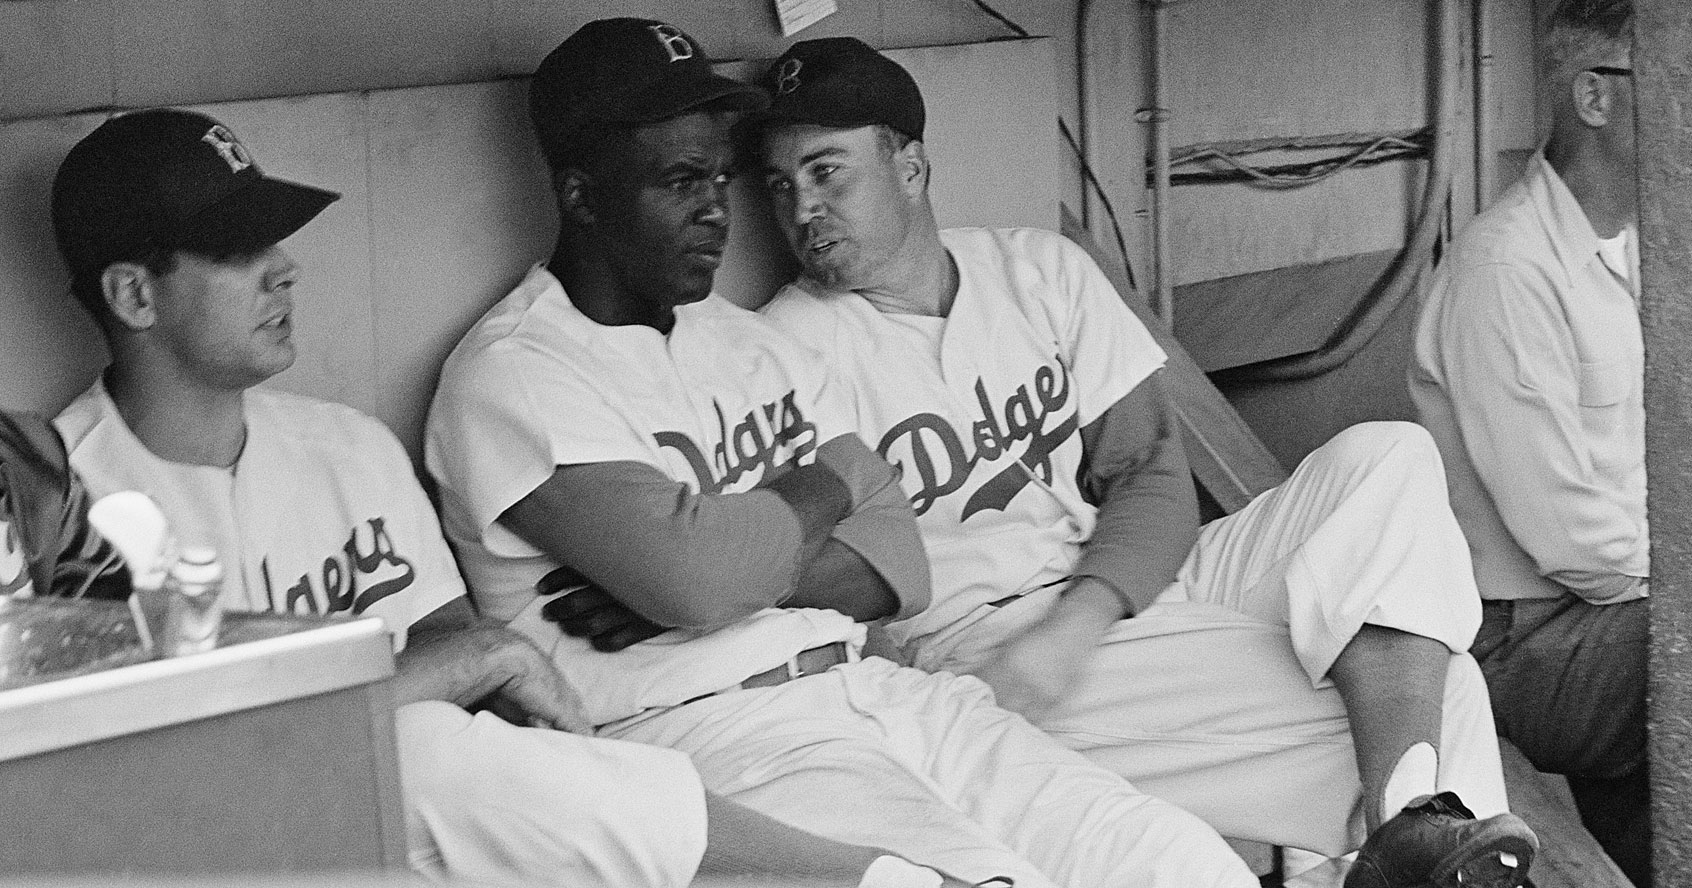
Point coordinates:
[[1567, 680]]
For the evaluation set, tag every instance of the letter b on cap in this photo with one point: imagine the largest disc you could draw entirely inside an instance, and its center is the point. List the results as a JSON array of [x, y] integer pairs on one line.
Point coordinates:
[[675, 45], [787, 79], [233, 152]]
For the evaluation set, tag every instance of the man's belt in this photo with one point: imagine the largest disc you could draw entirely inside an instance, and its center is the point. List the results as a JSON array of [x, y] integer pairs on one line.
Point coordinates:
[[811, 661], [807, 662]]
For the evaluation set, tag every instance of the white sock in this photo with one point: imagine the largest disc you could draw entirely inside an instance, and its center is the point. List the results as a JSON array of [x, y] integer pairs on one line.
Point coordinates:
[[1416, 774]]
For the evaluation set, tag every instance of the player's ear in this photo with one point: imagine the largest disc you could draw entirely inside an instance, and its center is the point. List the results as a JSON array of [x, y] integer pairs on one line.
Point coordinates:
[[1593, 97], [912, 163], [130, 293], [574, 188]]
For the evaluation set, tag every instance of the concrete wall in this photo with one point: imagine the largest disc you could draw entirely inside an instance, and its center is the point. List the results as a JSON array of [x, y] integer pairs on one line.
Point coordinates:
[[1237, 70], [445, 204], [70, 55], [1277, 68]]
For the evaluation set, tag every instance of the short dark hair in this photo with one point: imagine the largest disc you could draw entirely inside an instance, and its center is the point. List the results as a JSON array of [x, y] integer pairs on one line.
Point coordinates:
[[892, 141], [90, 293], [587, 146], [1583, 33]]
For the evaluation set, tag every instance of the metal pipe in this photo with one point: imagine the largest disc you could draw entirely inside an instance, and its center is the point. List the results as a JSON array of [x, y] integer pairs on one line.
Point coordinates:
[[1417, 255], [1163, 296], [1081, 116], [1486, 156]]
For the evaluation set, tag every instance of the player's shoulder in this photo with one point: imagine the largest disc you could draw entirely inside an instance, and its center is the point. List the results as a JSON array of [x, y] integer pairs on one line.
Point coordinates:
[[745, 331], [1010, 243], [534, 321], [85, 415], [795, 307], [818, 319], [537, 300], [328, 427]]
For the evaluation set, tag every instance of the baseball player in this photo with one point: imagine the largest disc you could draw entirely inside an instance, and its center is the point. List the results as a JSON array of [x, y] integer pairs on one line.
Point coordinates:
[[171, 233], [46, 544], [614, 417], [1251, 672]]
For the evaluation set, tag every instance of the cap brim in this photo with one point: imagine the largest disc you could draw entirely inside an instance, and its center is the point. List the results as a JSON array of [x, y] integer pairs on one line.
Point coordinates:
[[778, 113], [672, 96], [257, 216]]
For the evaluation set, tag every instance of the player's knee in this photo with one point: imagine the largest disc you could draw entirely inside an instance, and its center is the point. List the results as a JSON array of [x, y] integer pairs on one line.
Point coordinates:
[[1386, 442]]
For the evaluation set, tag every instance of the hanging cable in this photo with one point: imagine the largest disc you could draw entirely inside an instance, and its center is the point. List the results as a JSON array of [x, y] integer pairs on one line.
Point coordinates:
[[1098, 188], [1016, 28], [1080, 155], [1294, 175]]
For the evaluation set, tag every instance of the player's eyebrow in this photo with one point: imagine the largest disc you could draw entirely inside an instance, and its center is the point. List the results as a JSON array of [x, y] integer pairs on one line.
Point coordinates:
[[819, 154], [688, 165]]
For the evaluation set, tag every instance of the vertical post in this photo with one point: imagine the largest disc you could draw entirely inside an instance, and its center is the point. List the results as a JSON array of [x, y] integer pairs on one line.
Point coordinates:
[[1486, 155], [1663, 90], [1163, 296]]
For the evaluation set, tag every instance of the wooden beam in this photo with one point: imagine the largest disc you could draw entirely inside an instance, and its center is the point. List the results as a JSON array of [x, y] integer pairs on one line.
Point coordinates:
[[1226, 457], [1569, 857], [1663, 91]]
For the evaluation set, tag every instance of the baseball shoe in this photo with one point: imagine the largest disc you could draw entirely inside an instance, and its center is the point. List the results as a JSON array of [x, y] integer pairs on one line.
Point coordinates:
[[1437, 842]]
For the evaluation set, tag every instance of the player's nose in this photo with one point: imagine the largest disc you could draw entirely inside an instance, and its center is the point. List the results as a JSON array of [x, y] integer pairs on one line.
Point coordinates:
[[808, 204]]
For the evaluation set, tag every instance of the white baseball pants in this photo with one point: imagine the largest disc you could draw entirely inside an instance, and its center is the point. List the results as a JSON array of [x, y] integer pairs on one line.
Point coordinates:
[[926, 766], [494, 804], [1216, 697]]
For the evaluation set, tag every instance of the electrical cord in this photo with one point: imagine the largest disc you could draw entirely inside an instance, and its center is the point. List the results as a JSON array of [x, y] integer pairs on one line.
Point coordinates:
[[1016, 28], [1098, 188], [1307, 173], [1080, 155]]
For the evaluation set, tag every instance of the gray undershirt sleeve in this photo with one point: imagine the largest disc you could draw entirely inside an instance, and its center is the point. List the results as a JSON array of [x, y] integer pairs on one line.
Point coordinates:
[[676, 557], [1135, 471]]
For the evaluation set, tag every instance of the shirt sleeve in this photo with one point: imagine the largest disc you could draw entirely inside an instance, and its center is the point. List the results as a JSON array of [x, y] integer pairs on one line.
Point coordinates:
[[1109, 350], [501, 424], [1513, 376], [676, 557], [882, 529], [686, 559], [1133, 468]]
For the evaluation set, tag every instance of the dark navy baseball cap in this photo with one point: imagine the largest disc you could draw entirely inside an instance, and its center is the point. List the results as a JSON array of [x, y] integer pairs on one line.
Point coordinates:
[[167, 179], [842, 82], [627, 71]]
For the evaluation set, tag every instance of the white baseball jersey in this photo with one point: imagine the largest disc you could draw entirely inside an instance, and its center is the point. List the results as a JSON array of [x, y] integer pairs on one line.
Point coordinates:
[[982, 410], [718, 403], [867, 752], [321, 514]]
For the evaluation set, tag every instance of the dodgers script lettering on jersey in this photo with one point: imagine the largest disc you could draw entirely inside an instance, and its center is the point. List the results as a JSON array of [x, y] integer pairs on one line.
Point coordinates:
[[768, 436], [362, 572], [936, 463]]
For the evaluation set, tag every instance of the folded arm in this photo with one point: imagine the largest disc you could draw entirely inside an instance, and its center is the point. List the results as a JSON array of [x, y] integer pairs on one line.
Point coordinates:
[[811, 536]]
